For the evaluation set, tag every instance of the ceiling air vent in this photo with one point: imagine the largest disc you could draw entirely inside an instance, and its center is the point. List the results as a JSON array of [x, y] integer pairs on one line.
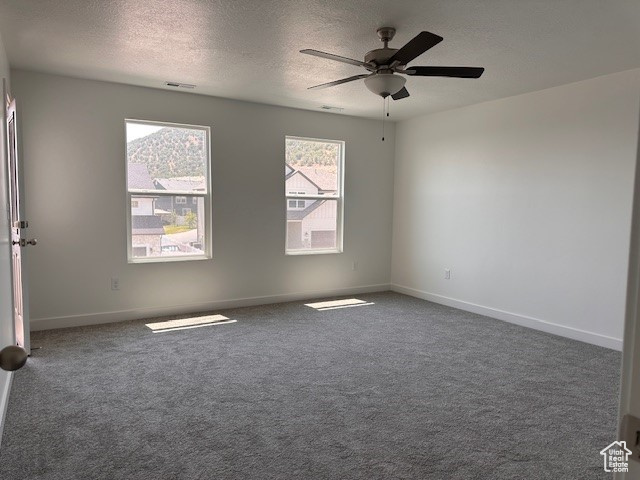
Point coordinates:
[[179, 85], [330, 108]]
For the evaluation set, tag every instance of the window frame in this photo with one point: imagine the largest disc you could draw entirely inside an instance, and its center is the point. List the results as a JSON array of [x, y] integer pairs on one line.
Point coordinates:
[[206, 196], [339, 199]]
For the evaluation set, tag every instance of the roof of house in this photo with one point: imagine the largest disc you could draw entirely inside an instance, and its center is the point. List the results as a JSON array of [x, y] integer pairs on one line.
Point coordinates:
[[288, 169], [324, 179], [296, 172], [139, 178], [181, 184], [146, 225], [300, 214]]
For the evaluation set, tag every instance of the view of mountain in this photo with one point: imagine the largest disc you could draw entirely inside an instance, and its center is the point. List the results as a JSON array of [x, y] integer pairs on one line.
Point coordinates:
[[170, 152], [304, 153], [180, 152]]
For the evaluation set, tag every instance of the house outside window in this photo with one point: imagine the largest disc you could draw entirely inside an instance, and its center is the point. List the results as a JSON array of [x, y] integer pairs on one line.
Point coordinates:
[[314, 179], [166, 165]]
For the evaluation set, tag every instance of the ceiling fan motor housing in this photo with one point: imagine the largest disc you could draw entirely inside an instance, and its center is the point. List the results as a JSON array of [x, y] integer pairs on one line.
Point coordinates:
[[380, 56]]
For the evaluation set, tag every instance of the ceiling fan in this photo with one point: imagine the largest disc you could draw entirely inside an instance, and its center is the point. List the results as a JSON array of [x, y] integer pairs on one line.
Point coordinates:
[[384, 63]]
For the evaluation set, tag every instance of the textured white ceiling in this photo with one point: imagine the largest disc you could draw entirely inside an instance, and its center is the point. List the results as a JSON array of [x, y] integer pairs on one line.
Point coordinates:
[[248, 49]]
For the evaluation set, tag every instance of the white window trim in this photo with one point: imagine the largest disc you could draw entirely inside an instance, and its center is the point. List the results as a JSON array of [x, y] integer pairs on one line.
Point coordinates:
[[339, 198], [206, 195]]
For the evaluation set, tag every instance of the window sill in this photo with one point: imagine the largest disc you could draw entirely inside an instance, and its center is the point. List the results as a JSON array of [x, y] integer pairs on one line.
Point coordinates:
[[186, 258], [311, 252]]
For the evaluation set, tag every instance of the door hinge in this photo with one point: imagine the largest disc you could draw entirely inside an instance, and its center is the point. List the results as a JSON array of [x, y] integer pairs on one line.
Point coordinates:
[[21, 224]]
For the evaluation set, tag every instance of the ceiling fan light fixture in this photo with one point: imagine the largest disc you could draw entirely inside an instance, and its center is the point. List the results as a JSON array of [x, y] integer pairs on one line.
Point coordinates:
[[384, 84]]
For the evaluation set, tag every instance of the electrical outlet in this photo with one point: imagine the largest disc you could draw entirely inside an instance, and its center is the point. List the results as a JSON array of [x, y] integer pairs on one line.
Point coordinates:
[[115, 284], [447, 274], [630, 433]]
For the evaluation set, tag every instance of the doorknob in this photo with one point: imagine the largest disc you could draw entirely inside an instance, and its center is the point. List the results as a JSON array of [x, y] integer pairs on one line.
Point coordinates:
[[12, 358], [23, 242]]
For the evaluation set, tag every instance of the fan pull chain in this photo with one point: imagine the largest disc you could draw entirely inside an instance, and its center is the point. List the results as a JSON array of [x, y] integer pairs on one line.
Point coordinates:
[[385, 112], [383, 100]]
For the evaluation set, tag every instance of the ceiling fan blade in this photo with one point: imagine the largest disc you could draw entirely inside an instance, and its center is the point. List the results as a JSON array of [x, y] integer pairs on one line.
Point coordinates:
[[457, 72], [331, 56], [416, 47], [338, 82], [404, 93]]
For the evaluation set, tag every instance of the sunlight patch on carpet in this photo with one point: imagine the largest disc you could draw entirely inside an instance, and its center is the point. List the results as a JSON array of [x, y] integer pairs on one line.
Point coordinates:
[[335, 304], [188, 323]]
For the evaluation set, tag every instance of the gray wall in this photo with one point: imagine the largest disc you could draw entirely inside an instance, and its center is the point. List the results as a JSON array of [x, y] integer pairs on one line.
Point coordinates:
[[528, 201], [74, 145]]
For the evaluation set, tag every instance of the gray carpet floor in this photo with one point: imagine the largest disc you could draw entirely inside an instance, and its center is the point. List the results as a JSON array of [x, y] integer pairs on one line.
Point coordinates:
[[402, 389]]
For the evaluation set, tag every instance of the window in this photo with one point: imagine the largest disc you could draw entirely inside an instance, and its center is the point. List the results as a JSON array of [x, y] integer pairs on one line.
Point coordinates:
[[166, 163], [297, 204], [314, 195]]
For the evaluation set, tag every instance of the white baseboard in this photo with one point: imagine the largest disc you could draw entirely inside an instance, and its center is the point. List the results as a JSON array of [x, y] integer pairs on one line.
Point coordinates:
[[5, 388], [522, 320], [97, 318]]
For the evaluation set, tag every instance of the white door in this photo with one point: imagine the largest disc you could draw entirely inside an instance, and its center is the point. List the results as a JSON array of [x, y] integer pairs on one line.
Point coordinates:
[[18, 225]]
